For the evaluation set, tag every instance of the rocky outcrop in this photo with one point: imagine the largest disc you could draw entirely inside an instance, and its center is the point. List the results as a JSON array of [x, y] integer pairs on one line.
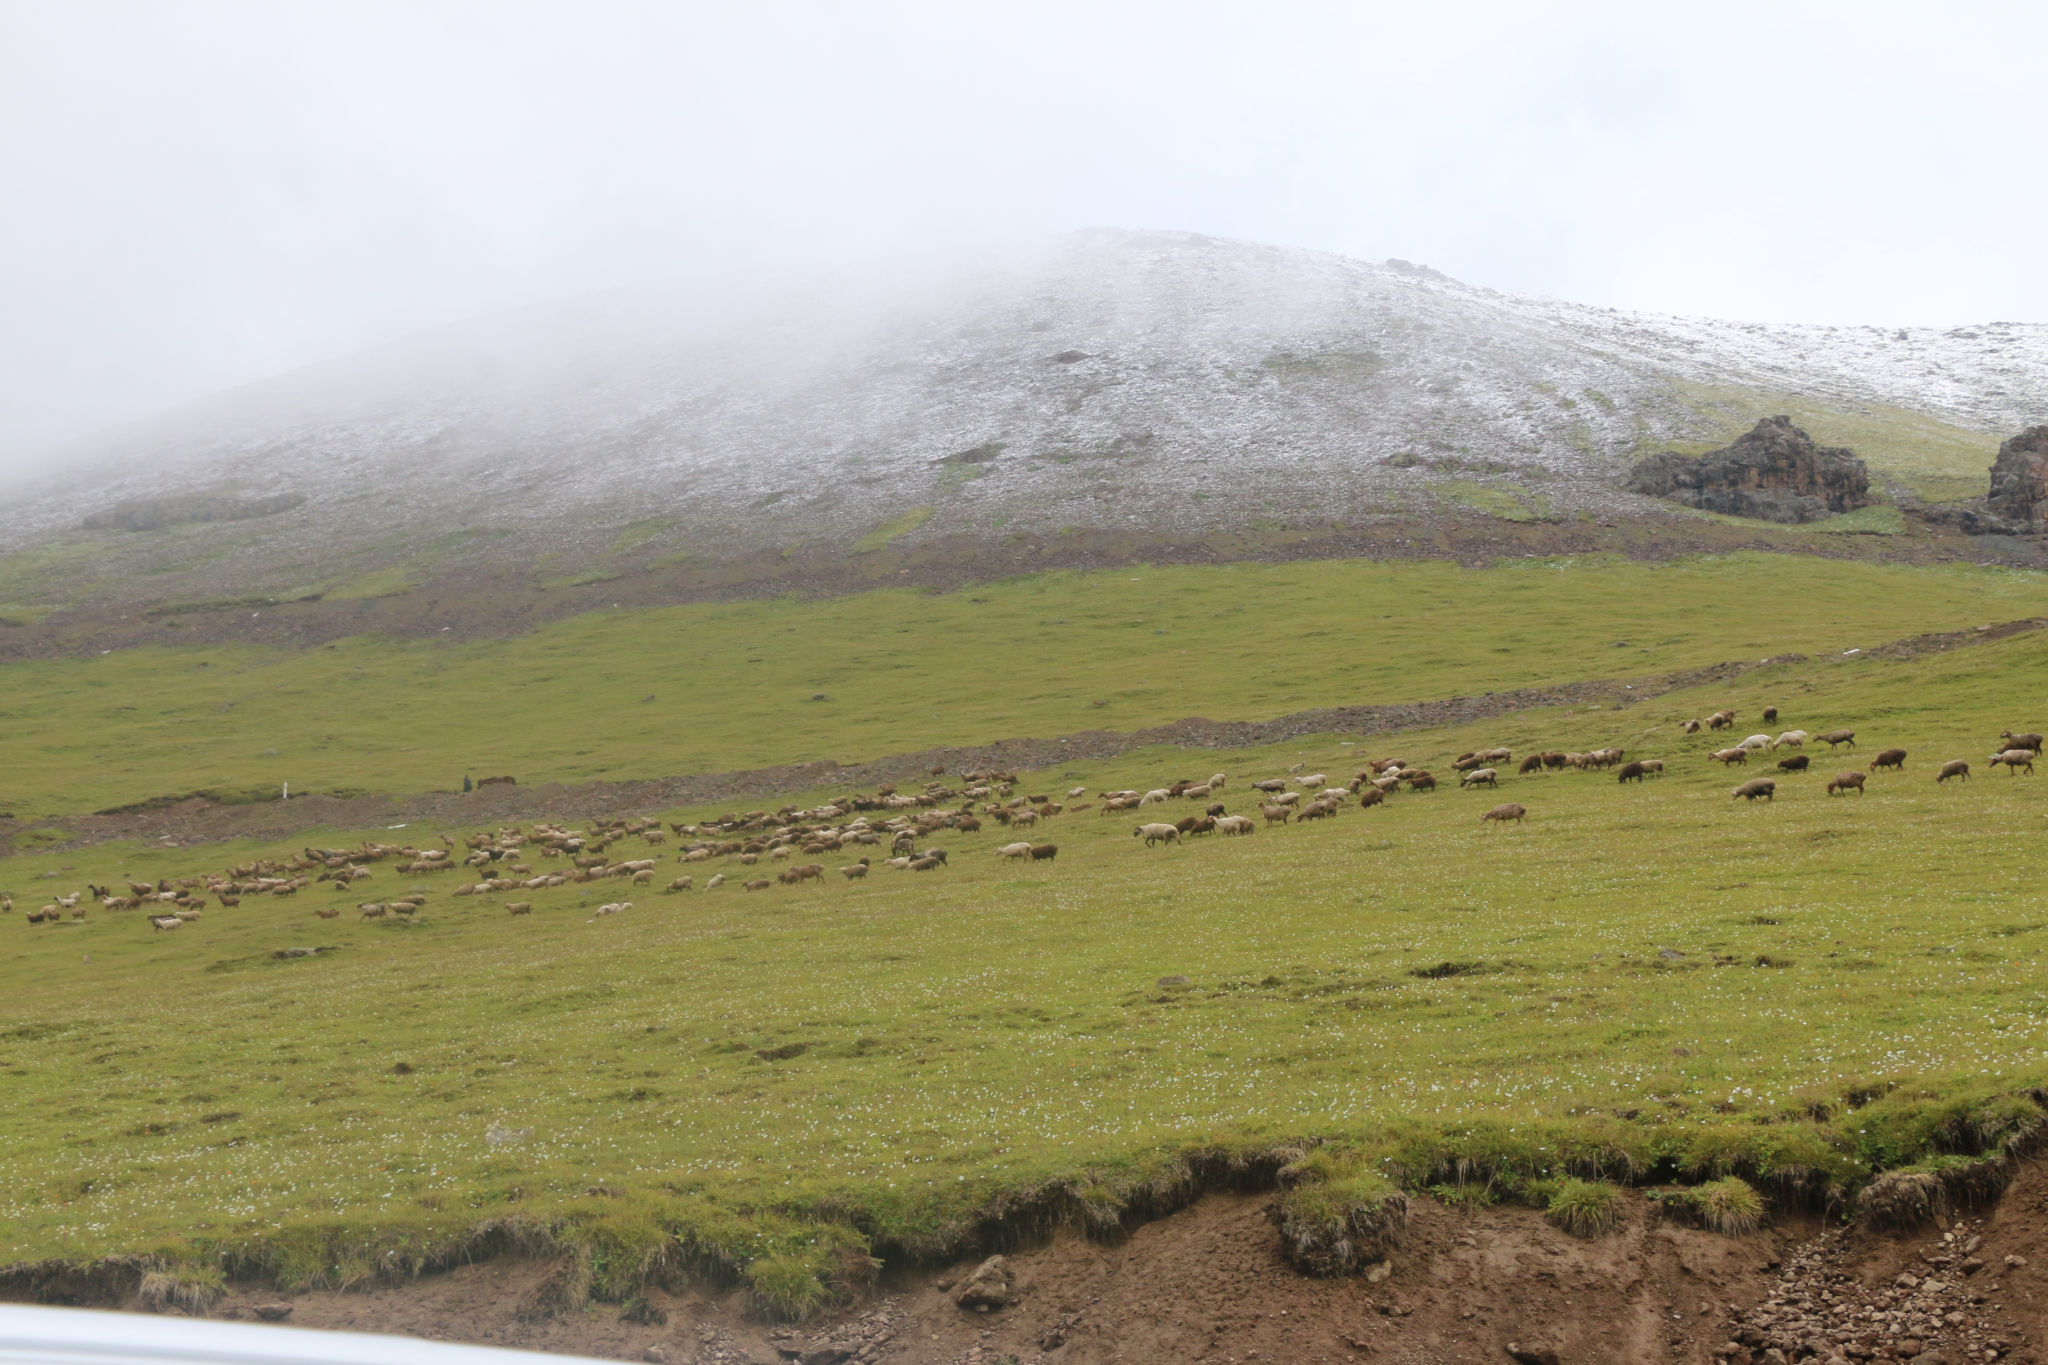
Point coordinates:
[[1775, 472], [2019, 479]]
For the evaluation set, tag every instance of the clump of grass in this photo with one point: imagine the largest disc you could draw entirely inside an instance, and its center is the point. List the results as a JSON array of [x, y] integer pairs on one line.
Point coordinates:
[[1729, 1206], [1338, 1215], [786, 1287], [1584, 1208], [1479, 1196]]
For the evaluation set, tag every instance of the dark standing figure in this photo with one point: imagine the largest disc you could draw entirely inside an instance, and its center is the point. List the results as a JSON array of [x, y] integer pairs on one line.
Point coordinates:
[[467, 785]]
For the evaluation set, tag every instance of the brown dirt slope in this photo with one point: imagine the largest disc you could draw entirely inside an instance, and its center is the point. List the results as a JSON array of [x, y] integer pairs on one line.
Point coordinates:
[[1208, 1284]]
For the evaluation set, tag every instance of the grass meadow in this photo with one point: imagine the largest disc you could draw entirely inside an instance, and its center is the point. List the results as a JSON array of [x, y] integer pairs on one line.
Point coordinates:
[[1647, 982], [647, 693]]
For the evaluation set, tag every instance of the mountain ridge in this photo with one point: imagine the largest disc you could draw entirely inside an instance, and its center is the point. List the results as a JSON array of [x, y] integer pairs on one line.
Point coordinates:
[[1164, 382]]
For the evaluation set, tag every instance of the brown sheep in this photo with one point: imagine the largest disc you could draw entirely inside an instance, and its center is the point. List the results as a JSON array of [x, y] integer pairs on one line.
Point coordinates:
[[519, 907], [1890, 758], [1316, 810], [1770, 714], [1729, 757], [1631, 772], [1796, 764], [853, 872], [1044, 853], [1371, 796], [1846, 782], [1833, 737], [1421, 782], [1690, 727], [761, 885], [1721, 720], [2014, 760], [923, 864], [1955, 767], [1213, 808], [679, 884], [2013, 741], [1532, 764], [1554, 759], [1504, 813], [1755, 787]]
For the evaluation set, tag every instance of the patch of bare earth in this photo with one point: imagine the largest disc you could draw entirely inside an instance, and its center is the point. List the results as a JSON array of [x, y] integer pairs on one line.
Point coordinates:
[[1209, 1284]]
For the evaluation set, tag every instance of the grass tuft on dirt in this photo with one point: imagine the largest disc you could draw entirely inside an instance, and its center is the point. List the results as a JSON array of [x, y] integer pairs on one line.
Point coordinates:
[[1584, 1208]]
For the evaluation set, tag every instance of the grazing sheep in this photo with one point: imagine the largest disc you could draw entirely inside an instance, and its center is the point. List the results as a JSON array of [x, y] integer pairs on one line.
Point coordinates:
[[1504, 813], [1770, 714], [1795, 764], [1833, 737], [1721, 720], [329, 913], [1277, 814], [2013, 741], [1235, 825], [853, 872], [1554, 759], [762, 885], [1631, 772], [1271, 784], [1314, 780], [1731, 756], [1480, 777], [1316, 810], [157, 923], [1044, 853], [619, 907], [1156, 834], [718, 880], [519, 907], [1846, 782], [1371, 796], [1755, 787], [372, 911], [1215, 782], [679, 884], [1421, 782], [1690, 727], [1955, 767], [2014, 760], [1757, 742], [1890, 758], [1532, 764], [1213, 808], [1791, 739], [924, 864], [1017, 850], [1155, 797]]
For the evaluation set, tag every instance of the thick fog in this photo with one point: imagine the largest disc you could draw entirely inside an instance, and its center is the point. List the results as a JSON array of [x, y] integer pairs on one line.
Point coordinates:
[[202, 194]]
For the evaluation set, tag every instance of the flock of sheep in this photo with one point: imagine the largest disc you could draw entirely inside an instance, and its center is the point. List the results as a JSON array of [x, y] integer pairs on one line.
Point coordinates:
[[502, 861]]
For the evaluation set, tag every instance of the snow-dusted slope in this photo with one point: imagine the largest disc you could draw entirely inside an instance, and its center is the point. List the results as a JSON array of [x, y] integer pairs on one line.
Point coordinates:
[[1165, 381]]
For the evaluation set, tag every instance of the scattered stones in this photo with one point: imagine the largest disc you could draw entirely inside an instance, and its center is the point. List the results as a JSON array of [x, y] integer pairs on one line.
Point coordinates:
[[272, 1312], [1817, 1310]]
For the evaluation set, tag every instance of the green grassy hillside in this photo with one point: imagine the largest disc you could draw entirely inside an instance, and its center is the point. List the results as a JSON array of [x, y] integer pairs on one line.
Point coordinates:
[[1652, 980], [708, 688]]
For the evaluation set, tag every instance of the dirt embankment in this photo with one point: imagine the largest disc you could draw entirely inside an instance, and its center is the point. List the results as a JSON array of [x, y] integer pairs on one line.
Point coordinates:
[[1208, 1283], [197, 820]]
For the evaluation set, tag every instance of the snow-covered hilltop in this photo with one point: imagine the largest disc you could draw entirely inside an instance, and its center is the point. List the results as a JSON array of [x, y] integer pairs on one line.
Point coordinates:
[[1159, 380]]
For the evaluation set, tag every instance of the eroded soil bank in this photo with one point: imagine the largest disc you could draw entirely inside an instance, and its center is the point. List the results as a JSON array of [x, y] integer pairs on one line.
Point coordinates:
[[1209, 1284]]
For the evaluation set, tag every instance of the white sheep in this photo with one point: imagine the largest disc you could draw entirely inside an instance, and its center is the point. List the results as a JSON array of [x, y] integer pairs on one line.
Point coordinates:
[[1156, 834], [1017, 850], [1791, 739], [1479, 777], [1157, 796], [1755, 742]]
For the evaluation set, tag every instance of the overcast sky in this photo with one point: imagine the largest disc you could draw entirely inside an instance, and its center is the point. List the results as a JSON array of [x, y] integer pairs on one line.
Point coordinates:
[[197, 194]]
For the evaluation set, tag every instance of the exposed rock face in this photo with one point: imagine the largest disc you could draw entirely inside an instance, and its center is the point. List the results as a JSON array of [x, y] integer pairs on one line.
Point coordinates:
[[2019, 478], [153, 514], [1775, 472]]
